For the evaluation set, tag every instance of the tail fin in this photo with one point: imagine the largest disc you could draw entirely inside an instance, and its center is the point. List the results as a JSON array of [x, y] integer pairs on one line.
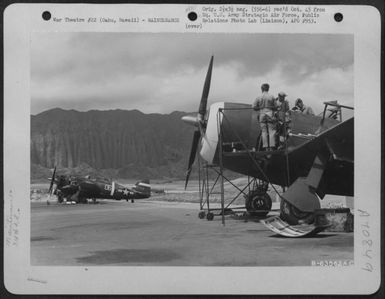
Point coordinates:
[[143, 187]]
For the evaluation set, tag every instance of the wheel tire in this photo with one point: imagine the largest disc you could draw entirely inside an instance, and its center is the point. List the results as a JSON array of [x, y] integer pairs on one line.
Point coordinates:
[[293, 215], [202, 214], [132, 201], [256, 201], [60, 198], [210, 216]]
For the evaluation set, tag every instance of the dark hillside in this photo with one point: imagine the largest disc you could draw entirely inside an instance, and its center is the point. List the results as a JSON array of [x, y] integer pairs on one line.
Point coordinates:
[[127, 143]]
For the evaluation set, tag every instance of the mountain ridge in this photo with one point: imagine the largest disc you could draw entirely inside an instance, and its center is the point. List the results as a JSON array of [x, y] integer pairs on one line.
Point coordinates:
[[127, 143]]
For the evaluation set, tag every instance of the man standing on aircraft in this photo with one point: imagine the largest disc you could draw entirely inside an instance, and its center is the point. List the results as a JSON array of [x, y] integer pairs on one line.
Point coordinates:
[[300, 107], [282, 116], [266, 106], [282, 106]]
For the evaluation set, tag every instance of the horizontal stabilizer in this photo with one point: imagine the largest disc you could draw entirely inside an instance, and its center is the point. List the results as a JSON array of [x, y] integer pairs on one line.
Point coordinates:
[[142, 189], [143, 183]]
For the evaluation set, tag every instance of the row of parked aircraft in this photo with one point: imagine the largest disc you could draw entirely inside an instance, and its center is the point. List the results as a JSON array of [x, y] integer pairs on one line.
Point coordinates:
[[79, 189]]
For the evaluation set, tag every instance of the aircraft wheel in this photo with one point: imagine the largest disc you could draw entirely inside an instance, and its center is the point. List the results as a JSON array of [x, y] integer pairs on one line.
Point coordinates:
[[202, 214], [60, 198], [293, 215], [256, 201], [210, 216], [132, 200]]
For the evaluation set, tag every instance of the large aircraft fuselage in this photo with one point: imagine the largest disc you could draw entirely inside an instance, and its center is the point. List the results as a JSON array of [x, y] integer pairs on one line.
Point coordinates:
[[240, 132]]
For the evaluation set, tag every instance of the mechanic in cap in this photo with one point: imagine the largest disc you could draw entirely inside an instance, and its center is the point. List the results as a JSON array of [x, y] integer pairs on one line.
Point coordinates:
[[283, 111], [282, 106], [300, 107]]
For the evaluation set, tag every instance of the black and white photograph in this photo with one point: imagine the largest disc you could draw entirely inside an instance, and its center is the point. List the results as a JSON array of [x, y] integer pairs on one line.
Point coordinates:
[[268, 117], [189, 150]]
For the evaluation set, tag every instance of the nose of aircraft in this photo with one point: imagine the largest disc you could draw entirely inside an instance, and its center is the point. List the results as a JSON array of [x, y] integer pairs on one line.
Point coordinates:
[[209, 142]]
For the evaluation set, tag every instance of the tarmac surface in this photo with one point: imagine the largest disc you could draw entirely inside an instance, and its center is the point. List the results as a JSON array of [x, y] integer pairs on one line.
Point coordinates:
[[154, 233]]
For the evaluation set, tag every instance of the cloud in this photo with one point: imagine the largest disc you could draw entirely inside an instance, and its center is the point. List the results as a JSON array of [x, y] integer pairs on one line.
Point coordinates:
[[165, 72]]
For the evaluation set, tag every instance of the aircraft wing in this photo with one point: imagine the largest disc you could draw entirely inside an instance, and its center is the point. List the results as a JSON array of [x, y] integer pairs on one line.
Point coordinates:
[[337, 144], [338, 139]]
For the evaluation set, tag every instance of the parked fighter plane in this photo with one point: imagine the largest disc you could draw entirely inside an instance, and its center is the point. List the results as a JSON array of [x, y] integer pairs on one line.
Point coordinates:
[[79, 189], [317, 157]]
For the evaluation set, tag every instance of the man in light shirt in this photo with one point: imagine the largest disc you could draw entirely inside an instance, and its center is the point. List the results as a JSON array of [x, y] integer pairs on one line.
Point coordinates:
[[266, 105]]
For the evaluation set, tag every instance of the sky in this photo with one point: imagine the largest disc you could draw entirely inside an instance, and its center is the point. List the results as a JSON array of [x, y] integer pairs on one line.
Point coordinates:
[[165, 72]]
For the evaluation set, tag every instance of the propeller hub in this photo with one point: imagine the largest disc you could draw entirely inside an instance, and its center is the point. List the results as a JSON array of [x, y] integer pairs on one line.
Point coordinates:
[[191, 120]]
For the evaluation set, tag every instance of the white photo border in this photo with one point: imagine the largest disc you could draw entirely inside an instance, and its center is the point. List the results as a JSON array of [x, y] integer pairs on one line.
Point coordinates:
[[20, 20]]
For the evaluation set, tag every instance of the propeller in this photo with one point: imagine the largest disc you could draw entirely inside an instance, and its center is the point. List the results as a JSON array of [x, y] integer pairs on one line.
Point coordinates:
[[52, 181], [199, 120], [194, 147], [206, 89]]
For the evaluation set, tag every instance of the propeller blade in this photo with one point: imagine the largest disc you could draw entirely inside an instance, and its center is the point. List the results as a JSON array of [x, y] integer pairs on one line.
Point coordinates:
[[187, 178], [52, 181], [194, 147], [206, 89], [199, 120]]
